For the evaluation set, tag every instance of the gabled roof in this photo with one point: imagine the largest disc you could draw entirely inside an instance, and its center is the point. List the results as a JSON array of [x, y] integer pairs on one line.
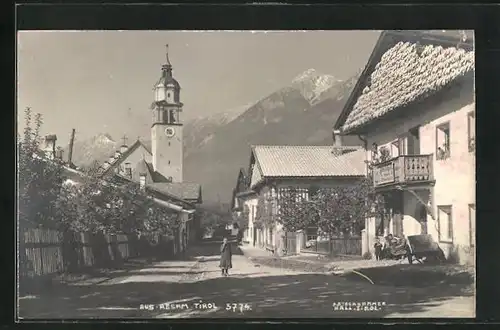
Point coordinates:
[[187, 191], [127, 152], [241, 185], [164, 195], [306, 161], [242, 181], [405, 67]]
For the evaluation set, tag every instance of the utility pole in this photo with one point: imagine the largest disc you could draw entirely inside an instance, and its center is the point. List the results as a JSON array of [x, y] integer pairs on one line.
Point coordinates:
[[70, 152]]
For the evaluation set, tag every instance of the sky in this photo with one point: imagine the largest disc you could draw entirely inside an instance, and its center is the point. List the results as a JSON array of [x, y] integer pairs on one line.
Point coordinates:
[[102, 81]]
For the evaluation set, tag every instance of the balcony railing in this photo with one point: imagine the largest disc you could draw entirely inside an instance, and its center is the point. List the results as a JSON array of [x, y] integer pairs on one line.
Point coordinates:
[[403, 170]]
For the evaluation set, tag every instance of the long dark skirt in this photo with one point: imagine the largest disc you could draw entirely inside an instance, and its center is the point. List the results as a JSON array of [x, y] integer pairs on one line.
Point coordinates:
[[225, 257]]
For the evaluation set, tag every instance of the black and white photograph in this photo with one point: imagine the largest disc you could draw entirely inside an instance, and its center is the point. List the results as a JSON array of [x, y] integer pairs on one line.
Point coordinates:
[[246, 174]]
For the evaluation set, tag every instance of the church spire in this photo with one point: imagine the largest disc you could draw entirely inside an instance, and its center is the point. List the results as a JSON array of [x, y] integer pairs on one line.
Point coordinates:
[[167, 67], [166, 54]]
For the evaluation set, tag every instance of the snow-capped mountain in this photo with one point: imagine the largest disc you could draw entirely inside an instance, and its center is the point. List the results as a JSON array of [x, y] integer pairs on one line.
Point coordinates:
[[103, 139], [312, 84], [97, 148]]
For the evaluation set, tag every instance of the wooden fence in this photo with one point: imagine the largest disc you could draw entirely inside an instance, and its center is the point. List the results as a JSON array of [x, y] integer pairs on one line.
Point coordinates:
[[47, 251], [290, 240], [333, 246]]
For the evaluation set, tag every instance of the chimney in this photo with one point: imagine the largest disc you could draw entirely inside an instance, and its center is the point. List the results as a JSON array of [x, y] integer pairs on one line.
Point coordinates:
[[337, 143], [106, 165], [71, 142], [142, 181], [117, 154], [59, 153], [50, 146], [123, 148]]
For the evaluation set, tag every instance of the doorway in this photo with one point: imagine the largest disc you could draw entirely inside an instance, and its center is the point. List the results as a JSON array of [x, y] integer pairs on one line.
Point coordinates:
[[413, 141]]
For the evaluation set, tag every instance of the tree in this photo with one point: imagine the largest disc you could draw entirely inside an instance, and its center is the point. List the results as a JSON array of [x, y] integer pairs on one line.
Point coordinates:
[[40, 180], [342, 210], [264, 212], [295, 212], [103, 206], [211, 220], [242, 219]]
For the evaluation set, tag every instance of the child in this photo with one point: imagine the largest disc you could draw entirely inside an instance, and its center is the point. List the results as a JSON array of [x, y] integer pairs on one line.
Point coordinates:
[[378, 248]]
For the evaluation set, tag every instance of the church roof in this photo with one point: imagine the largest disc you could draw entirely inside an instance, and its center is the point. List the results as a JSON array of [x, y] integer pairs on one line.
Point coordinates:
[[167, 77], [167, 80], [157, 182]]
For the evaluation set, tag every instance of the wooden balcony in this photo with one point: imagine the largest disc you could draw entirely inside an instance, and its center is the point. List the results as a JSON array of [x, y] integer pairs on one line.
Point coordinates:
[[404, 170]]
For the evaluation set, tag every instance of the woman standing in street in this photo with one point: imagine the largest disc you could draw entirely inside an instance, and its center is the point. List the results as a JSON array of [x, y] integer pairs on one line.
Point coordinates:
[[225, 257]]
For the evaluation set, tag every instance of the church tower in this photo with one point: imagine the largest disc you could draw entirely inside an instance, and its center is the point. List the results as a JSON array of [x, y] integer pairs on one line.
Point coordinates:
[[166, 131]]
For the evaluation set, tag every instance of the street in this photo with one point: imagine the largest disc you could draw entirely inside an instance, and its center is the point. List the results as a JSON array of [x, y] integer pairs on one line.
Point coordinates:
[[194, 288]]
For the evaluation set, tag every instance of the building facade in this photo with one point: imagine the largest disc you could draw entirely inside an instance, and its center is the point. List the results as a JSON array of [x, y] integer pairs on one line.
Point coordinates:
[[275, 170], [414, 109]]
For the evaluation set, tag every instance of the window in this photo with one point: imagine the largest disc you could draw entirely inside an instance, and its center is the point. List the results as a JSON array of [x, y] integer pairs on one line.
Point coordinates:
[[472, 224], [142, 181], [471, 129], [168, 162], [445, 224], [395, 148], [128, 170], [443, 141]]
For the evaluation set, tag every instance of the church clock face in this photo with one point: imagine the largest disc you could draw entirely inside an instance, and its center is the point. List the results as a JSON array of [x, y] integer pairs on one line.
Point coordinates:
[[169, 132]]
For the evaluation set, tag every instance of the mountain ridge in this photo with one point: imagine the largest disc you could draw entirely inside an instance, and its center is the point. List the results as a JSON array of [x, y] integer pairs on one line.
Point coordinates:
[[299, 114]]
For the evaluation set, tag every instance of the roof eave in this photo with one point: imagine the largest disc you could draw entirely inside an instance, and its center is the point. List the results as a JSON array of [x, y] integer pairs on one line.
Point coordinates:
[[247, 193], [350, 176], [368, 126], [170, 196], [387, 38], [359, 84]]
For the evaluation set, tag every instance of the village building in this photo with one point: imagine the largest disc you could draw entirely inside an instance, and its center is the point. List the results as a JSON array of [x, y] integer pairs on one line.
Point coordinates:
[[159, 166], [275, 169], [241, 186], [238, 207], [414, 108], [184, 209]]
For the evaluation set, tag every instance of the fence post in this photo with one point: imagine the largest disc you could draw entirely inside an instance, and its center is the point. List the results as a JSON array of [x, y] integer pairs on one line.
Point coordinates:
[[41, 251], [330, 246]]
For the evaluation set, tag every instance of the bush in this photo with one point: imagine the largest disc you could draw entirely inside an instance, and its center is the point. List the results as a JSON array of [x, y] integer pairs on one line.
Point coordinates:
[[367, 256]]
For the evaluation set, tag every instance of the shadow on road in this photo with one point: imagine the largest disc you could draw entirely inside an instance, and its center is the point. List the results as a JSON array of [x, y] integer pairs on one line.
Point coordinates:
[[279, 296]]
